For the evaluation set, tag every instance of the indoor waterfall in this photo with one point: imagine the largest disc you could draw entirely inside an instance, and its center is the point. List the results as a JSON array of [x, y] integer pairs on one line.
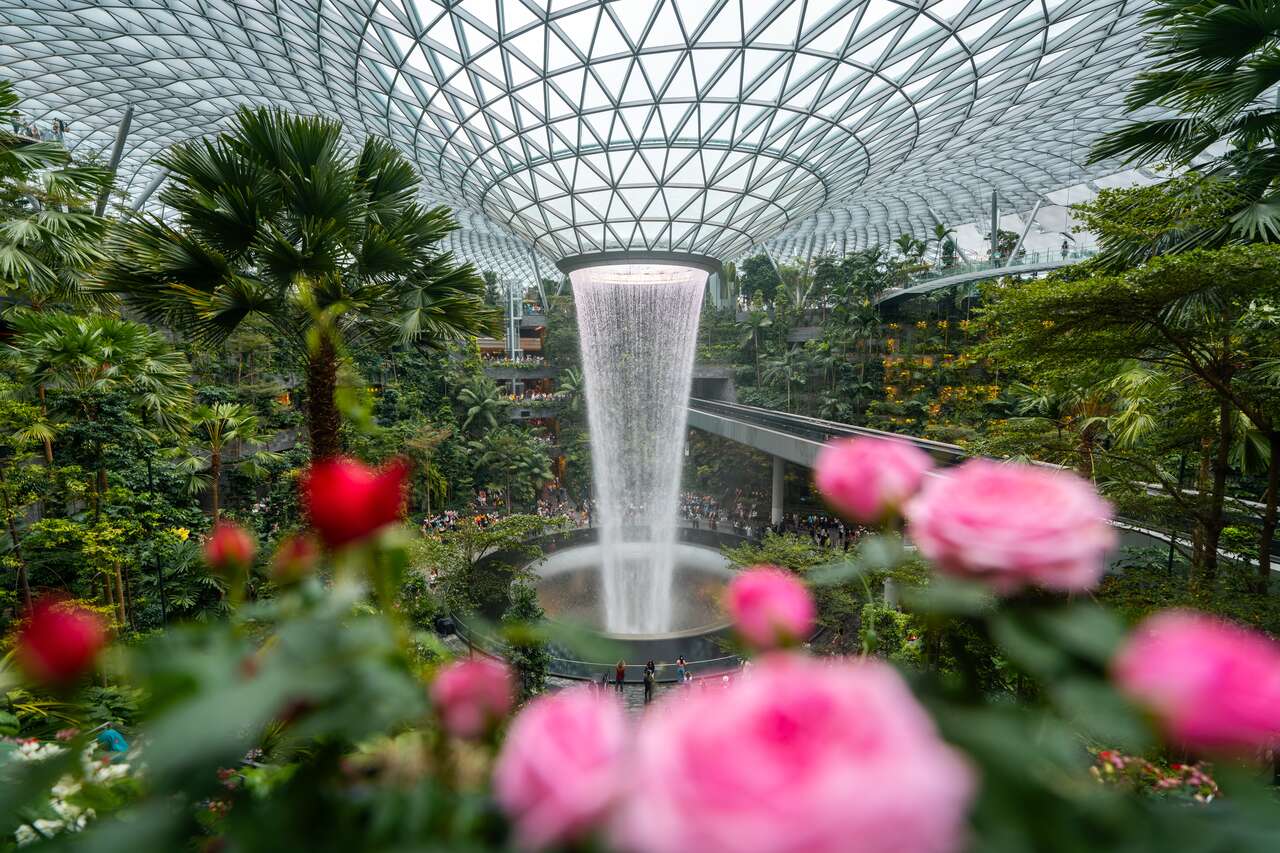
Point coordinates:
[[638, 325]]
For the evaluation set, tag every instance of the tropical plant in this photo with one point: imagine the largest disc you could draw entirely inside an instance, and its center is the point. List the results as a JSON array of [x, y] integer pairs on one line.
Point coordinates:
[[481, 403], [277, 218], [787, 369], [84, 358], [947, 248], [757, 321], [1202, 317], [211, 430], [573, 384], [1214, 61], [49, 236], [421, 448], [514, 462]]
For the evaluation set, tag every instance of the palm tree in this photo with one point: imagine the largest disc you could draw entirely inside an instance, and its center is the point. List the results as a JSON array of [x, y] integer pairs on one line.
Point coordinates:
[[279, 219], [787, 369], [514, 461], [482, 404], [213, 429], [49, 237], [421, 448], [54, 351], [573, 384], [942, 235], [1214, 62], [757, 320]]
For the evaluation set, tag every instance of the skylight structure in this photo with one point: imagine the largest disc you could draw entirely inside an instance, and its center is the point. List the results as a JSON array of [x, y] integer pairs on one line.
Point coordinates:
[[559, 128]]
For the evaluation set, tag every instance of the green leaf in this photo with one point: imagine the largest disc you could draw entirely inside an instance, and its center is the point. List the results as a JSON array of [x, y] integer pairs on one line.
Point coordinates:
[[1093, 705], [1017, 634], [949, 597], [1086, 629]]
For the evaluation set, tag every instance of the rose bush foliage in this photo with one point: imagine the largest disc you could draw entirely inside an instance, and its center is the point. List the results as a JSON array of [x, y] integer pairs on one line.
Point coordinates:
[[322, 719]]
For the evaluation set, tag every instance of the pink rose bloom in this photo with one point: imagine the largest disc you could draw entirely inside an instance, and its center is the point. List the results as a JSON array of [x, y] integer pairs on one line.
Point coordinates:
[[805, 756], [868, 479], [472, 695], [1214, 685], [770, 607], [561, 766], [1013, 526]]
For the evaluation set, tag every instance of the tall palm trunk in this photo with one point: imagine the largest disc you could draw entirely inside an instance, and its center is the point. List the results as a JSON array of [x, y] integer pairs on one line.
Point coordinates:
[[215, 474], [1268, 535], [323, 420], [124, 615], [44, 413], [1213, 521], [24, 582]]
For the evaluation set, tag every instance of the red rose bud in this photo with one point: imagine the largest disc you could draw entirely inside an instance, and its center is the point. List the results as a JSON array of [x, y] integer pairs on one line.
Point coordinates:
[[59, 643], [295, 559], [229, 550], [347, 501]]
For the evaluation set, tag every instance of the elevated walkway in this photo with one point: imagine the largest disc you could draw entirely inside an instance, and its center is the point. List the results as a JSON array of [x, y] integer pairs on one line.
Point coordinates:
[[981, 270], [797, 439]]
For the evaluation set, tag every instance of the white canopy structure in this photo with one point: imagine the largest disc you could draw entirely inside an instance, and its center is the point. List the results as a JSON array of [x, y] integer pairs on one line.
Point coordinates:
[[571, 127]]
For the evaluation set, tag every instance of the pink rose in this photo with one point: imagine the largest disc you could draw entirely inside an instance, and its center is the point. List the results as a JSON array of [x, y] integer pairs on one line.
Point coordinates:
[[561, 766], [1214, 685], [805, 755], [868, 479], [770, 607], [1013, 526], [472, 695]]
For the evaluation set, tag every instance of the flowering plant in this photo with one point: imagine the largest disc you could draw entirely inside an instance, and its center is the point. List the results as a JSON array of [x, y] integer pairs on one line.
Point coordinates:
[[322, 718]]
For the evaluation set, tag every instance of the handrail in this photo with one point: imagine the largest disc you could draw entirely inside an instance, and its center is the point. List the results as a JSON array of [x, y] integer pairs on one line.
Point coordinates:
[[940, 278], [817, 429]]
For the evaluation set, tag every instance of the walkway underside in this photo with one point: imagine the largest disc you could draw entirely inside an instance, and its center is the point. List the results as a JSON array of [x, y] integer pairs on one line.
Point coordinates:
[[797, 439]]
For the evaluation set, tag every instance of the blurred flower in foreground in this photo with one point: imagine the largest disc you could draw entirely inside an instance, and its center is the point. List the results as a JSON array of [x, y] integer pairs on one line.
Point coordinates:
[[806, 755], [229, 550], [347, 501], [868, 479], [561, 766], [59, 642], [295, 558], [770, 607], [473, 695], [1215, 686], [1013, 526]]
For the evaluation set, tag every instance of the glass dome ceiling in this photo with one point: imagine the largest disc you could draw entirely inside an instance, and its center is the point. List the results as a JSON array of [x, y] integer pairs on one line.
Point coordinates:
[[704, 126]]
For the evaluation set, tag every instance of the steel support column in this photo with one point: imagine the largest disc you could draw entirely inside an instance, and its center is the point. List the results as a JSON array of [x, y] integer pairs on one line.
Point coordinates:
[[537, 274], [117, 152], [995, 227], [779, 489], [151, 187], [1026, 229]]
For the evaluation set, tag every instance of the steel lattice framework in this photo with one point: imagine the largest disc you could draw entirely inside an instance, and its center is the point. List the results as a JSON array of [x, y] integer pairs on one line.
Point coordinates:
[[703, 126]]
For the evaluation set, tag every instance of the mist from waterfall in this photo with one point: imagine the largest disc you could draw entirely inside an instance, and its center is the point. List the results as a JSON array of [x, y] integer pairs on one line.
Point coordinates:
[[638, 329]]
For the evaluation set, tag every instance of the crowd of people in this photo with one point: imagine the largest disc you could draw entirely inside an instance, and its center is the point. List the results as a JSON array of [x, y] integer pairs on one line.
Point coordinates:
[[536, 396], [823, 530], [747, 513], [31, 130], [518, 361]]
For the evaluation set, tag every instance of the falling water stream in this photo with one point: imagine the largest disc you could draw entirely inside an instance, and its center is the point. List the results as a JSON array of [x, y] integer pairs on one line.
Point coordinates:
[[638, 326]]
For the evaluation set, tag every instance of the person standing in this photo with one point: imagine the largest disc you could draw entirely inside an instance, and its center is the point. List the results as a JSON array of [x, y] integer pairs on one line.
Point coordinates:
[[682, 669], [620, 674], [648, 685]]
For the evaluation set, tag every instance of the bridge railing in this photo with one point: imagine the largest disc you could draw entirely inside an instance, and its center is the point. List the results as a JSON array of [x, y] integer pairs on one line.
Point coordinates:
[[970, 271], [822, 431]]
